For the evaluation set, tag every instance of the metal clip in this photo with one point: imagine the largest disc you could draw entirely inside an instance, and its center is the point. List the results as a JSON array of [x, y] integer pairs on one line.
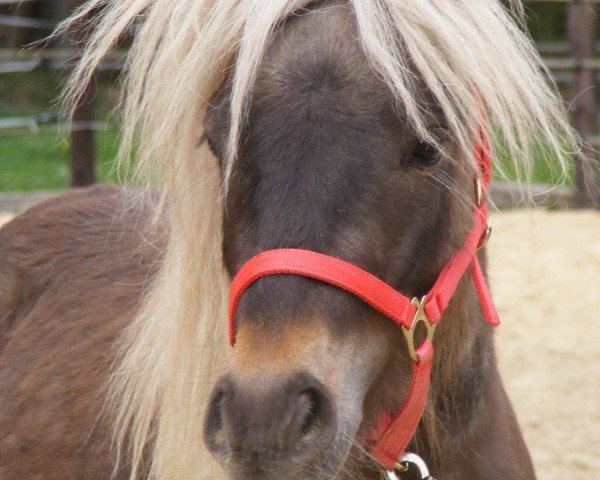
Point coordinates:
[[485, 237], [420, 316], [479, 192], [404, 463]]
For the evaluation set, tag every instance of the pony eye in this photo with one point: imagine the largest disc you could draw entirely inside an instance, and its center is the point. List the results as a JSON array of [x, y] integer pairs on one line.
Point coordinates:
[[204, 138], [210, 146], [426, 154]]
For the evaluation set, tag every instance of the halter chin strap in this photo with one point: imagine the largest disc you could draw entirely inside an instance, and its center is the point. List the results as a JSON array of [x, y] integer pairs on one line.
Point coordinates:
[[394, 434]]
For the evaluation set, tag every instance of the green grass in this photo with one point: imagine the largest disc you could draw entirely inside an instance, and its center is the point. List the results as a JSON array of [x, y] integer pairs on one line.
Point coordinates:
[[42, 161], [545, 169]]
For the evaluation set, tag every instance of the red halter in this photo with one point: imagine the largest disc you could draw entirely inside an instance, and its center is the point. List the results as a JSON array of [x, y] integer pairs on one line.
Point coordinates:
[[405, 312]]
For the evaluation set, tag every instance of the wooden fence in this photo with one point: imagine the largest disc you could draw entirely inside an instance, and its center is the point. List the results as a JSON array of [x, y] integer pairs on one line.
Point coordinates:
[[574, 64], [582, 22]]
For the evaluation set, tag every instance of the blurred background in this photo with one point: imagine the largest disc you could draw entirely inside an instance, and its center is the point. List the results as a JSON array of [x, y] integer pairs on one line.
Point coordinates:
[[38, 154], [38, 150]]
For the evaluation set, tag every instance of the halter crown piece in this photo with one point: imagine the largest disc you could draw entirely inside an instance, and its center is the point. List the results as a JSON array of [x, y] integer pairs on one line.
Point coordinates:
[[406, 313]]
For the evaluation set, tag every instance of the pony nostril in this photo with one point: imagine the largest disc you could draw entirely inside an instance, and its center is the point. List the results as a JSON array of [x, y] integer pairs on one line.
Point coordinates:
[[314, 426], [309, 416], [214, 432]]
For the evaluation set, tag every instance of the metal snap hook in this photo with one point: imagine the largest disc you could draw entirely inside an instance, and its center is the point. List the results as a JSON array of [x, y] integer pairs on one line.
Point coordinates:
[[403, 465]]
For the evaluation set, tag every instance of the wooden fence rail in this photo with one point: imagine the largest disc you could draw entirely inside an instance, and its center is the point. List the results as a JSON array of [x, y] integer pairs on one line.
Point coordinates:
[[13, 2], [24, 22]]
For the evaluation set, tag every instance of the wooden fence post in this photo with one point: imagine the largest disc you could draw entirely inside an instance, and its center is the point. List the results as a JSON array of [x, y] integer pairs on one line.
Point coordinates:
[[582, 19], [83, 155], [83, 152]]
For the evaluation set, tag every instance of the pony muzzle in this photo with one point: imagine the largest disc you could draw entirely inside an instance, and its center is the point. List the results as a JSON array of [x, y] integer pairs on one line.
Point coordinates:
[[258, 432]]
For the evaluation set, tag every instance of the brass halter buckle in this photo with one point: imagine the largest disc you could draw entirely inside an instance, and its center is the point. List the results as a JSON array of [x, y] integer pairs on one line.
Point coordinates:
[[404, 463], [420, 316], [479, 192]]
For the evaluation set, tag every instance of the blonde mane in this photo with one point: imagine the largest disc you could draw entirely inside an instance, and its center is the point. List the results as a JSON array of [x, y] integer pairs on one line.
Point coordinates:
[[182, 51]]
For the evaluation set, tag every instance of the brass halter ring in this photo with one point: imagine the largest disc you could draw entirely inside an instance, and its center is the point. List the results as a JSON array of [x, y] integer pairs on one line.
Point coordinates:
[[420, 317], [403, 465]]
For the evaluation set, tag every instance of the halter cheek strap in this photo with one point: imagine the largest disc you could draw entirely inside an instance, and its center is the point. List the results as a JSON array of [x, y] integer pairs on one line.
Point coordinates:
[[393, 434]]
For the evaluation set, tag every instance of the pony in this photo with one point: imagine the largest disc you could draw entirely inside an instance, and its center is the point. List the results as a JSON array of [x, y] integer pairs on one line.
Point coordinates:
[[345, 127]]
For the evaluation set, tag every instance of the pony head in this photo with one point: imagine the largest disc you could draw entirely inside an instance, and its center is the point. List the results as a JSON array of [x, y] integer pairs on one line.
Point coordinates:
[[327, 161]]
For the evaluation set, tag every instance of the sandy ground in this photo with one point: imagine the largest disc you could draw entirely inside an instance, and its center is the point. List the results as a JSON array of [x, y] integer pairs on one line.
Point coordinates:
[[4, 217], [545, 275]]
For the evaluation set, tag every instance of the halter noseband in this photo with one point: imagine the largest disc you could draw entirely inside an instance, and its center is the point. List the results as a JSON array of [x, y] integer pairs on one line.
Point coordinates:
[[406, 313]]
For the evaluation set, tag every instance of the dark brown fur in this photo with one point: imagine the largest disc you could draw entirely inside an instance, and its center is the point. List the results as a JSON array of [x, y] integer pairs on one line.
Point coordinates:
[[72, 271]]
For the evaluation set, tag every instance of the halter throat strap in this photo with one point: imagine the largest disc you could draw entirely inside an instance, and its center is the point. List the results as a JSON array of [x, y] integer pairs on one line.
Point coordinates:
[[395, 433]]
